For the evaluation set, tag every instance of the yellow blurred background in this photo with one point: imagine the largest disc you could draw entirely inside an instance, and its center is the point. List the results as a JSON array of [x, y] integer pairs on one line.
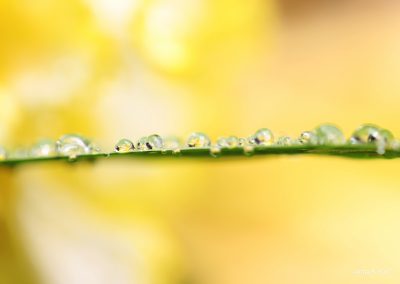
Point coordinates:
[[126, 68]]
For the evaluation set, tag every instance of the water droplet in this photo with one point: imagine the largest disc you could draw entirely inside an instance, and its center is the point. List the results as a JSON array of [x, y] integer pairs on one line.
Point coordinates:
[[44, 148], [72, 145], [284, 141], [154, 142], [367, 133], [124, 146], [215, 151], [308, 137], [142, 143], [176, 151], [248, 150], [3, 154], [19, 153], [171, 143], [329, 134], [230, 142], [242, 142], [198, 140], [262, 137]]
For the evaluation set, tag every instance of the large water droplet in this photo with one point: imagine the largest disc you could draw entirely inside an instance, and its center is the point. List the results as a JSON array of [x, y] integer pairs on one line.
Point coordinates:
[[3, 154], [329, 134], [367, 133], [284, 141], [124, 146], [154, 142], [44, 148], [198, 140], [230, 142], [308, 138], [72, 145], [262, 137]]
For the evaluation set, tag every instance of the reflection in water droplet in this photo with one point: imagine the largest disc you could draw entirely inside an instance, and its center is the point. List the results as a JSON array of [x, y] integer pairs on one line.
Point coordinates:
[[198, 140], [94, 148], [329, 134], [154, 142], [284, 141], [72, 145], [242, 142], [3, 154], [308, 137], [124, 146], [142, 144], [215, 151], [44, 148], [367, 133], [262, 137]]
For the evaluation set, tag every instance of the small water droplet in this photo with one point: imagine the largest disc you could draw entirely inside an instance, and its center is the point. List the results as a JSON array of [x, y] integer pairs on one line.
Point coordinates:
[[3, 154], [329, 134], [248, 150], [72, 145], [154, 142], [94, 149], [124, 146], [284, 141], [44, 148], [198, 140], [262, 137], [242, 141], [308, 138], [142, 144], [215, 151], [18, 153], [230, 142]]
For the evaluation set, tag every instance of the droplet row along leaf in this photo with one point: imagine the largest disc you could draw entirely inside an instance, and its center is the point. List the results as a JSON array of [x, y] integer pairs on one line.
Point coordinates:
[[367, 141]]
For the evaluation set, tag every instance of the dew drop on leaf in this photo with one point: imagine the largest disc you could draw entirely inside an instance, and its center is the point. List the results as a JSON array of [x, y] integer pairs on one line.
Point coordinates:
[[44, 148], [262, 137], [154, 142], [308, 138], [72, 145], [198, 140], [329, 134], [124, 146]]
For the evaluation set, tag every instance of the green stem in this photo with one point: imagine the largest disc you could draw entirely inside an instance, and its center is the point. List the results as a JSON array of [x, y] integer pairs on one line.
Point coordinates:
[[349, 151]]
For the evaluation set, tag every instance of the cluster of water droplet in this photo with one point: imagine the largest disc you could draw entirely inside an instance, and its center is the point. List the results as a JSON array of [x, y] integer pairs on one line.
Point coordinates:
[[73, 145]]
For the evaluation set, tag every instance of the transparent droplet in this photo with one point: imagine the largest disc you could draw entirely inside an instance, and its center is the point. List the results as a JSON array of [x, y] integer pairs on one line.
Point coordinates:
[[329, 134], [171, 143], [124, 146], [262, 137], [248, 150], [365, 134], [308, 137], [72, 145], [176, 151], [198, 140], [242, 142], [215, 151], [3, 154], [44, 148], [284, 141], [230, 142], [154, 142], [387, 136], [142, 144]]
